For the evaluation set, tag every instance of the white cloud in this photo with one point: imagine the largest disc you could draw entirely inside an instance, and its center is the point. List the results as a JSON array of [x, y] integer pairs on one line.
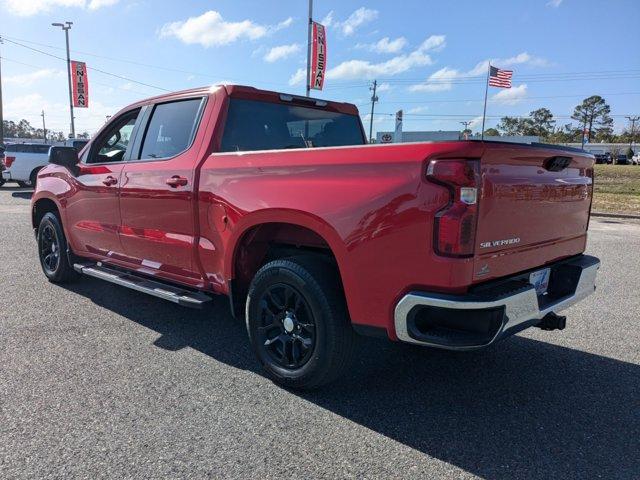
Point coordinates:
[[355, 69], [327, 21], [27, 79], [27, 8], [434, 43], [364, 69], [476, 122], [385, 45], [298, 77], [510, 96], [29, 107], [283, 24], [554, 3], [356, 19], [417, 110], [210, 29], [438, 81], [282, 51], [443, 79], [383, 87], [96, 4]]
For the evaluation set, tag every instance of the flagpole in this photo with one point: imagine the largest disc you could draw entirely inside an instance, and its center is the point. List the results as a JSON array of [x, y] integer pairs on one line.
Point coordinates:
[[486, 91], [309, 47]]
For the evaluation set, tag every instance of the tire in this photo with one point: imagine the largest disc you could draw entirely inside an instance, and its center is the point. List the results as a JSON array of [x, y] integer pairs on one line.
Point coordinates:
[[33, 178], [2, 181], [52, 250], [298, 322]]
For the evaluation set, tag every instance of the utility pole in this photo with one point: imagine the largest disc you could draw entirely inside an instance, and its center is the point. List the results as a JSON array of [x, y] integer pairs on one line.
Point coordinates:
[[44, 128], [464, 132], [374, 99], [66, 26], [1, 117], [633, 121], [310, 26]]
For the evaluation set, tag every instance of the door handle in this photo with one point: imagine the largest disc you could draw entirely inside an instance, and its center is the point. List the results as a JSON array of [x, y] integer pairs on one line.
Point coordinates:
[[177, 181], [110, 181]]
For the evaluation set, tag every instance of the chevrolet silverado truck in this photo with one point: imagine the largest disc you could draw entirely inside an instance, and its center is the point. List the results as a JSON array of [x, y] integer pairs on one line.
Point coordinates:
[[276, 202]]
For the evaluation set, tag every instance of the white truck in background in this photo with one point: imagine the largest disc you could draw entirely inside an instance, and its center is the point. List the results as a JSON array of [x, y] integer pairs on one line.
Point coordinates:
[[22, 161]]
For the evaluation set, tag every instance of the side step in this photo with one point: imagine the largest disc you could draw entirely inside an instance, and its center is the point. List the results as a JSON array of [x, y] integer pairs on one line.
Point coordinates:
[[186, 298]]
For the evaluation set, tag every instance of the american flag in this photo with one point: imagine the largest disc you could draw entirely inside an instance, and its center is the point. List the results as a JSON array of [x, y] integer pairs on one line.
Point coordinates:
[[500, 78]]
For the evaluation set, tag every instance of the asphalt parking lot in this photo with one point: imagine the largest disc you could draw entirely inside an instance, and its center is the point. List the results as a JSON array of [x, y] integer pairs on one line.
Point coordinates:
[[99, 381]]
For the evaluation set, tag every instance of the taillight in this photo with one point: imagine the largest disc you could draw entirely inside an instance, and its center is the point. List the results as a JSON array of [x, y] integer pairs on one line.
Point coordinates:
[[455, 224], [8, 161]]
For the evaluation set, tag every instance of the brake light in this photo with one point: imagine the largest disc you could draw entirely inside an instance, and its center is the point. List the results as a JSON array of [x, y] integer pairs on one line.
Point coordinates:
[[8, 161], [455, 224]]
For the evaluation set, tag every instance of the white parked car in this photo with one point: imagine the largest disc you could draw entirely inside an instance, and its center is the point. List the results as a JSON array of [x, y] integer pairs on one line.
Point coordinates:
[[22, 162]]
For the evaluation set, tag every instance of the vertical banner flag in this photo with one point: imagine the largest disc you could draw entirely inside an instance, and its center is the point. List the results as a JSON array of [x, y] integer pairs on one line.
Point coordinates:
[[80, 84], [318, 56]]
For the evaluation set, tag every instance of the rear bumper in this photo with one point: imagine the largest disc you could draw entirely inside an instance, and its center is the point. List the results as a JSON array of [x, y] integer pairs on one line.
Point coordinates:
[[493, 311]]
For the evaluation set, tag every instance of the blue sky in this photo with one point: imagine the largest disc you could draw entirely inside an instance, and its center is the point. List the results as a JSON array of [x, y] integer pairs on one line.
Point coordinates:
[[428, 57]]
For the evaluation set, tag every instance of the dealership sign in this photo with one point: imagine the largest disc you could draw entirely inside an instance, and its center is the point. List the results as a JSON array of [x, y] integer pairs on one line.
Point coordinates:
[[318, 56], [80, 84]]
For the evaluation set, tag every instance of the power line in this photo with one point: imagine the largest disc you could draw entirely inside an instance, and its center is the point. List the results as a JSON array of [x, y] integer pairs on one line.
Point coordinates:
[[141, 64], [36, 67], [90, 68]]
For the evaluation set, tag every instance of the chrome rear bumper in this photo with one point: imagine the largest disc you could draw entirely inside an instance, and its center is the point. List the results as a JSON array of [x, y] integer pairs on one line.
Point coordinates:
[[512, 309]]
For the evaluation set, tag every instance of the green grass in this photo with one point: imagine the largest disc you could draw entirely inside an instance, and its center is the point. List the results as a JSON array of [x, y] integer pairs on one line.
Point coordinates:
[[617, 189]]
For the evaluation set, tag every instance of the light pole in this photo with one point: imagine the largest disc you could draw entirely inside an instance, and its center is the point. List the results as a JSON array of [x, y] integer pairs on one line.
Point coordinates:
[[309, 27], [464, 132], [633, 121], [1, 117], [44, 128], [374, 99], [66, 26]]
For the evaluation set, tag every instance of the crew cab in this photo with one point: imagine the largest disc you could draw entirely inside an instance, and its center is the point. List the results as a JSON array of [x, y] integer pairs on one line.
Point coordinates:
[[276, 202]]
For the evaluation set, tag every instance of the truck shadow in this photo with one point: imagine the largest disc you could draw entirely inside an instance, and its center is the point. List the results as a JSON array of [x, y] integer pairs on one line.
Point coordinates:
[[527, 409]]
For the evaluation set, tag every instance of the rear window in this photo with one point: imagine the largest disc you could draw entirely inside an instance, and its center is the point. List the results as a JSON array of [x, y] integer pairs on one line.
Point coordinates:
[[40, 148], [28, 148], [254, 125]]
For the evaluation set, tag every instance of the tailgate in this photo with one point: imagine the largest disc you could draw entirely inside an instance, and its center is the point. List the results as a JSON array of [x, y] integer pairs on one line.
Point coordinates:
[[534, 208]]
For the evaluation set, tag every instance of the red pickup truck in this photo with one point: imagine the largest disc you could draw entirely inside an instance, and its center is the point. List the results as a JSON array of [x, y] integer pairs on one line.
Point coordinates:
[[276, 202]]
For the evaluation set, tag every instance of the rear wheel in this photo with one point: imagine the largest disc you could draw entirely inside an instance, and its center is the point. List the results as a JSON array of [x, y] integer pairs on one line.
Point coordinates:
[[298, 323], [52, 250]]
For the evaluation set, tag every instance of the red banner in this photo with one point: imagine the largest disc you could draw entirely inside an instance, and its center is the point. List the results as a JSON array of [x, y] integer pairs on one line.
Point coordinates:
[[318, 56], [80, 84]]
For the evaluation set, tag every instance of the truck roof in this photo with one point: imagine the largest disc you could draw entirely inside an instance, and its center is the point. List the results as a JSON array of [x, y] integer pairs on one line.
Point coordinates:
[[252, 93]]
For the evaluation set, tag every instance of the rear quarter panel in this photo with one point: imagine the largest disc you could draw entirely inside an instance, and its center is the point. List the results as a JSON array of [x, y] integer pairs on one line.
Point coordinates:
[[371, 204]]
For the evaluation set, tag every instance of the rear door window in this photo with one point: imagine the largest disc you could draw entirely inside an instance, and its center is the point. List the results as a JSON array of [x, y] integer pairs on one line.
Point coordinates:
[[171, 129]]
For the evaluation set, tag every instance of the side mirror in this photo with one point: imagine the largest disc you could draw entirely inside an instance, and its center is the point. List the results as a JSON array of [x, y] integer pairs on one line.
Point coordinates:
[[65, 157]]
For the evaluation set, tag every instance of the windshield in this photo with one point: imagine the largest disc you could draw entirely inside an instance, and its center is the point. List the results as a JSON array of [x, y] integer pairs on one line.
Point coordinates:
[[255, 125]]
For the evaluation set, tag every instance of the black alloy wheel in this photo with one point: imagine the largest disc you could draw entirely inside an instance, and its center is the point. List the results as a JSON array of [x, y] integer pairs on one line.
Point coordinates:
[[49, 249], [53, 250], [297, 321], [287, 327]]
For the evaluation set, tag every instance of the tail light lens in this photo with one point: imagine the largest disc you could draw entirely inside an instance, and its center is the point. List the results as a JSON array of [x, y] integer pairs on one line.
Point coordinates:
[[8, 161], [455, 224]]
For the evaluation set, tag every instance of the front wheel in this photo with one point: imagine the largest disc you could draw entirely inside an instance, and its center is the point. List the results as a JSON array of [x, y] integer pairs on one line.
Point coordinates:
[[298, 323], [52, 250]]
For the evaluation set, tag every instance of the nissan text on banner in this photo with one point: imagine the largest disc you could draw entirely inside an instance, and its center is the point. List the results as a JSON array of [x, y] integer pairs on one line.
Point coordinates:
[[318, 56], [80, 84]]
